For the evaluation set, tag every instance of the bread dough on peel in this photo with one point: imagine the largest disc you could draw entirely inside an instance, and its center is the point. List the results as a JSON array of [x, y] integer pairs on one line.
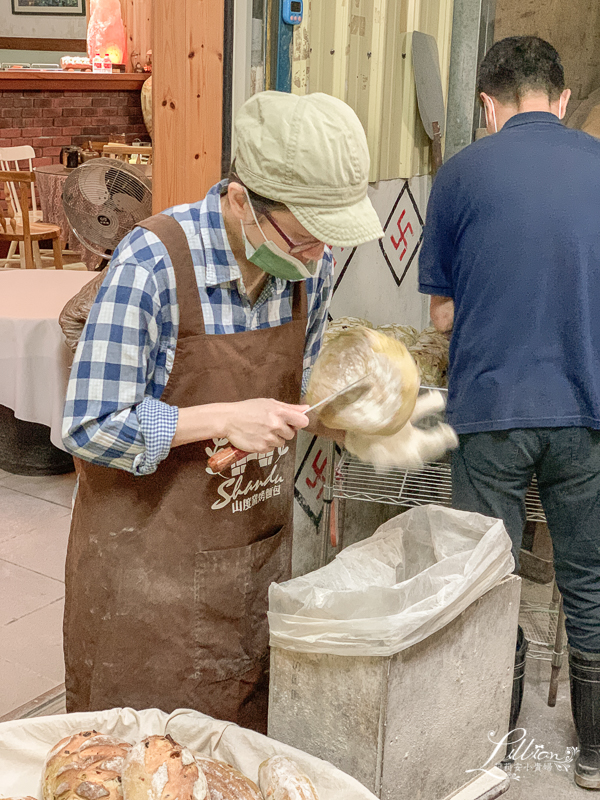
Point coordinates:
[[389, 402]]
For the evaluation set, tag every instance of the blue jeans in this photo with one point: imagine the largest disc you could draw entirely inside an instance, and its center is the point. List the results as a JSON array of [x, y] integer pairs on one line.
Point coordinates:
[[491, 473]]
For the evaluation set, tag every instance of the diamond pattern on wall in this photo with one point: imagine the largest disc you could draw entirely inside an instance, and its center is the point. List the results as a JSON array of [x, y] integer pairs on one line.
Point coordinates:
[[309, 481], [403, 234], [375, 282], [342, 256]]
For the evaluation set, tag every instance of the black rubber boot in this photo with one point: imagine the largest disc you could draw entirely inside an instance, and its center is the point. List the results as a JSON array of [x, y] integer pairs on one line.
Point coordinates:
[[585, 704], [517, 690]]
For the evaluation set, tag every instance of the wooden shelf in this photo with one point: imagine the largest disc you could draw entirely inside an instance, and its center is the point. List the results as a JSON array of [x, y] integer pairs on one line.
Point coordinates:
[[19, 80]]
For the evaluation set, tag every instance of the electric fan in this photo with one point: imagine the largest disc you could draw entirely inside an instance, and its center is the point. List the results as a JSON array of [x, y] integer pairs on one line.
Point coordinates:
[[103, 200]]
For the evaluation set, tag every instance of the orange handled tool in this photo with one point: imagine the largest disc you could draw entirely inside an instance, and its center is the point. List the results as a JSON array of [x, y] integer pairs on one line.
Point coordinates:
[[225, 458], [230, 455]]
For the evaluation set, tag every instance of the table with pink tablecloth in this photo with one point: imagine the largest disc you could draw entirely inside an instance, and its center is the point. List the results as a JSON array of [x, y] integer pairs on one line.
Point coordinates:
[[49, 182], [34, 358]]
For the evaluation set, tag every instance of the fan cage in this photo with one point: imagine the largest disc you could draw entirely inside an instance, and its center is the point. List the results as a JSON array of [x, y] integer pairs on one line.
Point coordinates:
[[103, 200]]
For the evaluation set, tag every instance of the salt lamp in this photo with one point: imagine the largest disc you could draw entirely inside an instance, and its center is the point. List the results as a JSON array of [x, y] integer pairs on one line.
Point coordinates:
[[106, 32]]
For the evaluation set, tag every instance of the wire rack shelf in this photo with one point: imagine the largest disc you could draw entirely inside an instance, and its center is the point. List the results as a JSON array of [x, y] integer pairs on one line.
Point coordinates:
[[356, 480], [539, 623]]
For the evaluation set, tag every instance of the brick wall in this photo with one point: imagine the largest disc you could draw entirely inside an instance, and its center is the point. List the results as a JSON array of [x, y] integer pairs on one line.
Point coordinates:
[[49, 120]]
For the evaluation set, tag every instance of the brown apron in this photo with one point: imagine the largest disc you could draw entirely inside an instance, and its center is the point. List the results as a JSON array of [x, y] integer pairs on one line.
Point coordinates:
[[167, 574]]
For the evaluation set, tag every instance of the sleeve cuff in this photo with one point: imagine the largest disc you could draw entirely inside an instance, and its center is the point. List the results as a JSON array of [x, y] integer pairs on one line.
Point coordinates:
[[305, 379], [438, 291], [158, 422]]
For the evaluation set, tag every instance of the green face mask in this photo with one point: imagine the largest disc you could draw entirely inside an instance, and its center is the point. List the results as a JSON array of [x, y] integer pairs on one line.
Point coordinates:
[[272, 259]]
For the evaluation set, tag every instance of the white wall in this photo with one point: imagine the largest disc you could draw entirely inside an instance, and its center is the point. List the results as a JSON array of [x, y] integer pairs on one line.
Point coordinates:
[[42, 27], [366, 286]]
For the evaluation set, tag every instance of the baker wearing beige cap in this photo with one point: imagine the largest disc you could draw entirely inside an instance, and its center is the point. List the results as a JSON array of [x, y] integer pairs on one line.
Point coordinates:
[[203, 334]]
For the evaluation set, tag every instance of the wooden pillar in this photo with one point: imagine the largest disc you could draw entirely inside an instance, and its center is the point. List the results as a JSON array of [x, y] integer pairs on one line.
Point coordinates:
[[187, 98]]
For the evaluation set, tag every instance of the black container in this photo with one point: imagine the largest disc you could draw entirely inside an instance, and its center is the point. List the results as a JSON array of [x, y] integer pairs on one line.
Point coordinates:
[[26, 449], [70, 157]]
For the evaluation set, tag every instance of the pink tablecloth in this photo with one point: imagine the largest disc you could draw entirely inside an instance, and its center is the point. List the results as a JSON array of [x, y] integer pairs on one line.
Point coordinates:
[[50, 181], [34, 358]]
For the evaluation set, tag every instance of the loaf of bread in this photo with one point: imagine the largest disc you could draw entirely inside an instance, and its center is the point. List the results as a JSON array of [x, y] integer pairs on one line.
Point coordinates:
[[280, 779], [160, 769], [403, 333], [430, 351], [85, 765], [225, 782], [340, 324], [75, 62]]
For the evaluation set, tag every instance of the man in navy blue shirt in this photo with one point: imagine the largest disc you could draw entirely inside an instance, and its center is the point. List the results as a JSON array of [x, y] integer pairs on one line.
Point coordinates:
[[511, 259]]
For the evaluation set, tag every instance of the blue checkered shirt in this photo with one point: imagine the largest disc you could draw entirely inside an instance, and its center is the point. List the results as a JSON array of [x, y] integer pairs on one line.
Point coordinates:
[[113, 413]]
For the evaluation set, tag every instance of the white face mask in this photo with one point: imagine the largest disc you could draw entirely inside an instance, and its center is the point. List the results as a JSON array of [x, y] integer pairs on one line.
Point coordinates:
[[493, 107], [491, 103]]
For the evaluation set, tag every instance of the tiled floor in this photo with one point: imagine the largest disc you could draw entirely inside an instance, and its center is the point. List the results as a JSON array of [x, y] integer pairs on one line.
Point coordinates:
[[34, 526]]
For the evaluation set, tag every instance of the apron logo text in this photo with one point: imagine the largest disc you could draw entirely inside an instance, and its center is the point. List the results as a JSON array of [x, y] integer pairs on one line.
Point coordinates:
[[251, 492], [248, 502], [233, 488]]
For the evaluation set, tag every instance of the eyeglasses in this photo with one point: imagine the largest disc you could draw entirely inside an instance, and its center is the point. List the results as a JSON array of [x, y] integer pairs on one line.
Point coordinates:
[[294, 247]]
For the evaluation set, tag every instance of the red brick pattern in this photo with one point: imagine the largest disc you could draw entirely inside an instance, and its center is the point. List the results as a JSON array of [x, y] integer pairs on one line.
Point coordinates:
[[50, 120]]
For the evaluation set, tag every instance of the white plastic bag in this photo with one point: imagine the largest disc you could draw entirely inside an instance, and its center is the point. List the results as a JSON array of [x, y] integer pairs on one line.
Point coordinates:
[[412, 577]]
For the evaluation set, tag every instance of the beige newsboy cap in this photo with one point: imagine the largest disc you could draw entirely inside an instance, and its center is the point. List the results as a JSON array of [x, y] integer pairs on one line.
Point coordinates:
[[311, 154]]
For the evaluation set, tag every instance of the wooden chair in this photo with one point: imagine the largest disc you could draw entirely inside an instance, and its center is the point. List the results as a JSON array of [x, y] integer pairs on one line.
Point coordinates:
[[24, 230], [15, 159], [97, 147], [131, 153]]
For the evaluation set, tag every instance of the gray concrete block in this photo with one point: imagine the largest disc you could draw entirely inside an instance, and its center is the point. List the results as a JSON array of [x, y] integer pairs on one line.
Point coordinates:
[[409, 725], [333, 704]]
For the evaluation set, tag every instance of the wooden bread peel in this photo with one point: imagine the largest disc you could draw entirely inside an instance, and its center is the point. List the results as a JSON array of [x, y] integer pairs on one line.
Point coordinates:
[[430, 95]]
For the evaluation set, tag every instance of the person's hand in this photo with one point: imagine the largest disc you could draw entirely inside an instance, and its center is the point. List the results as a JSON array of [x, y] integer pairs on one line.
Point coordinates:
[[259, 426]]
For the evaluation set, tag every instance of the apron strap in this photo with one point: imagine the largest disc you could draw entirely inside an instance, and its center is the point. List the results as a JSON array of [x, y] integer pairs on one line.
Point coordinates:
[[300, 302], [171, 234], [191, 318]]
